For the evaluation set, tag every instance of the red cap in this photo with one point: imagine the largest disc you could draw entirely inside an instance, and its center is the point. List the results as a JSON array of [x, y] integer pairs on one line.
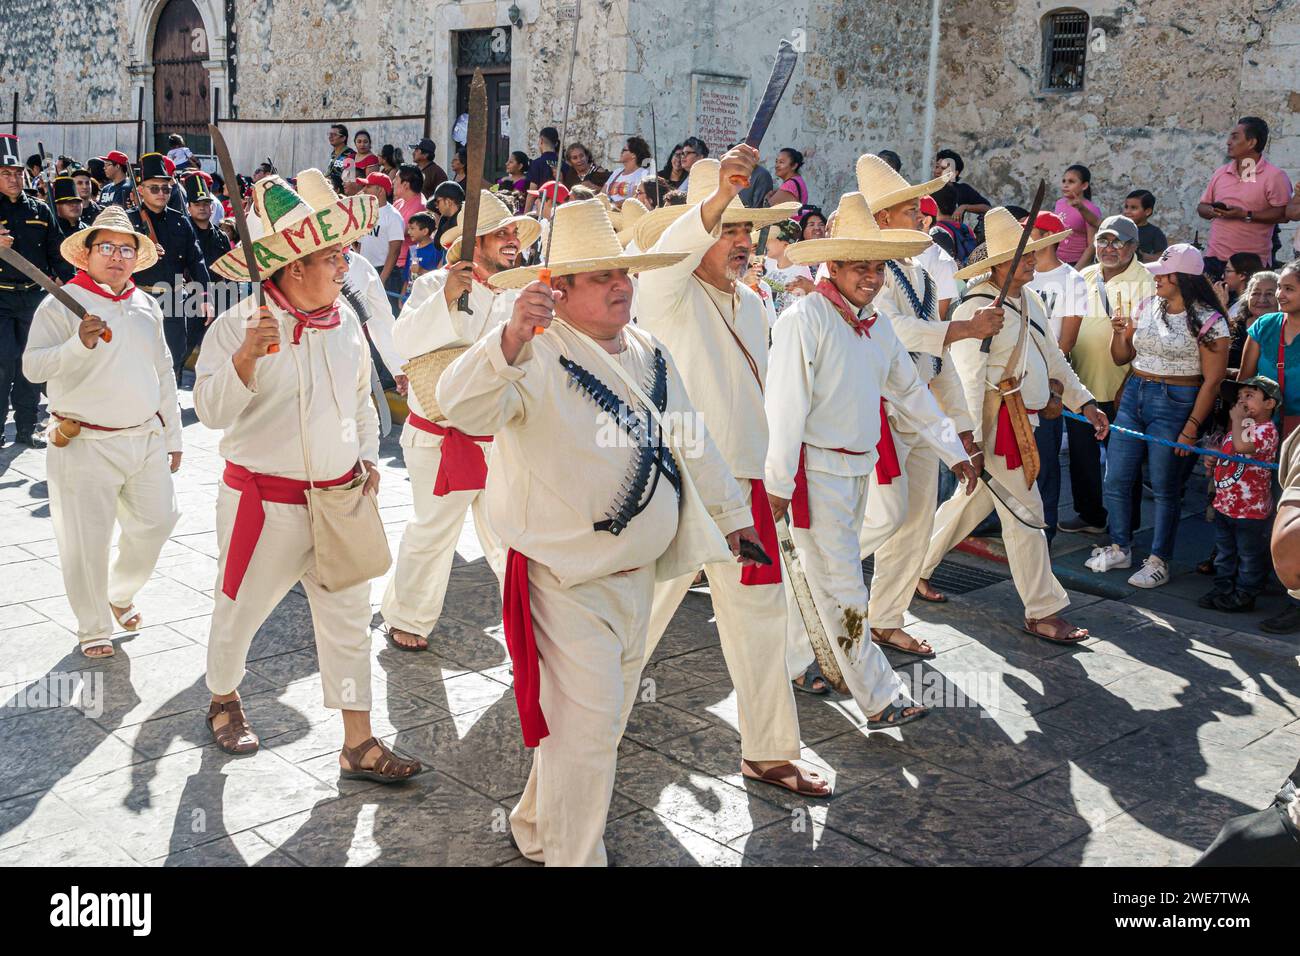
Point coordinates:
[[929, 207], [1049, 222], [553, 189], [379, 179], [118, 157]]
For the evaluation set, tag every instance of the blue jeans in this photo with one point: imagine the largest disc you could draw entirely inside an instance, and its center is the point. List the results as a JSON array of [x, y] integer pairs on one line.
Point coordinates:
[[1241, 559], [1160, 410], [1048, 438]]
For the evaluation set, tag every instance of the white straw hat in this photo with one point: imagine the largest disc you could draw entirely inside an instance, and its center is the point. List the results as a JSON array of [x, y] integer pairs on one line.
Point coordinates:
[[1001, 235], [493, 214], [584, 241], [702, 184], [112, 219], [855, 237], [294, 225], [626, 217], [885, 188]]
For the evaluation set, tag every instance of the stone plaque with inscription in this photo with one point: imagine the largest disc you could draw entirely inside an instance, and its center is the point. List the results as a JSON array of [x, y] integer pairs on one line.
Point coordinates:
[[720, 108]]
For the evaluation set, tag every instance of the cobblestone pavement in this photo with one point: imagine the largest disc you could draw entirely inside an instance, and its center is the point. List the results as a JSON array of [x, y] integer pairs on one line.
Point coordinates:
[[1129, 750]]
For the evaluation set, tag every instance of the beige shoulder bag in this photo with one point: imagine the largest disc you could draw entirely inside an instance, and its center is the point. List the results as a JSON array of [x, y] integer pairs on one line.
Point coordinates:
[[350, 546]]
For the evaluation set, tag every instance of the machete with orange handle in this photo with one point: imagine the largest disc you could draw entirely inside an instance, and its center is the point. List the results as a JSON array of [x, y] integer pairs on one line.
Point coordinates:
[[241, 222], [1020, 252], [782, 70], [23, 265]]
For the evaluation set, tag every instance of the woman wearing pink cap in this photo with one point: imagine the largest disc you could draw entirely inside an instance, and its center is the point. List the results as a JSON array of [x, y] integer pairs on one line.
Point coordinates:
[[1178, 347]]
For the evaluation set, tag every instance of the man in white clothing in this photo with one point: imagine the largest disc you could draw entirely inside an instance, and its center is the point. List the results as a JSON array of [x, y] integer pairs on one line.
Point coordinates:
[[832, 364], [595, 502], [904, 485], [113, 405], [715, 326], [1024, 350], [448, 466], [281, 439]]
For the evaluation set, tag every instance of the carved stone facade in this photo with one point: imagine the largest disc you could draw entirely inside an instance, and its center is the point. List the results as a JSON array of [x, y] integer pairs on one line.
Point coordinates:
[[1162, 83]]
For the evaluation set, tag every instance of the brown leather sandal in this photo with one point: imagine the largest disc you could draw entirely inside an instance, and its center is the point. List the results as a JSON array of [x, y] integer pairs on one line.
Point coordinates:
[[388, 768], [923, 649], [235, 737], [791, 776]]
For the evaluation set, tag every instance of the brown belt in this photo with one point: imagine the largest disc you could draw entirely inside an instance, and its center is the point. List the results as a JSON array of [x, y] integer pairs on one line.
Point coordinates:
[[1171, 379]]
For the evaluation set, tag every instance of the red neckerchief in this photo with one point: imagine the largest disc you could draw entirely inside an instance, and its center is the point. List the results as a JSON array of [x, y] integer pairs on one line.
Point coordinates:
[[326, 318], [83, 281], [861, 326], [481, 276]]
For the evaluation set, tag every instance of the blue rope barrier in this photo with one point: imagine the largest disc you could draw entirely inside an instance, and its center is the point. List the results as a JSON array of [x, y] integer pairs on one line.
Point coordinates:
[[1207, 452]]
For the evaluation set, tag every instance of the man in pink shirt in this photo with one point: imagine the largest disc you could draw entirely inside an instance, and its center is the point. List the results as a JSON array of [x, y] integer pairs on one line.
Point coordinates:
[[407, 200], [1245, 199]]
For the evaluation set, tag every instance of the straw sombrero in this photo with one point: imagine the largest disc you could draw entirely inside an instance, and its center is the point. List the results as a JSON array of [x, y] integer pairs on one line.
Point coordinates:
[[702, 184], [1001, 234], [626, 217], [113, 219], [423, 372], [584, 241], [493, 214], [297, 223], [855, 237], [884, 188]]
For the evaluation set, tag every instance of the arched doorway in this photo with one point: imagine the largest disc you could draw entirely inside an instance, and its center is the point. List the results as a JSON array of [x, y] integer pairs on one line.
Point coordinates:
[[182, 100]]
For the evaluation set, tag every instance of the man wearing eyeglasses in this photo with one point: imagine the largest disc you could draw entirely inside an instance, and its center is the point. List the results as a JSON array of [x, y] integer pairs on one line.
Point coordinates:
[[27, 227], [186, 309], [1117, 280], [692, 149]]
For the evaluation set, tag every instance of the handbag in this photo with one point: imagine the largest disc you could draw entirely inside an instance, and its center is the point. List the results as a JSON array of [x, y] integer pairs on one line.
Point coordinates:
[[698, 540], [349, 543], [1289, 422]]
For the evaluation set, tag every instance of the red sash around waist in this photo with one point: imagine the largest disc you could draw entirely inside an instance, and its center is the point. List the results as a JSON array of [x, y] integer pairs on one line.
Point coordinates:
[[463, 466], [799, 515], [517, 622], [887, 466], [249, 517], [1004, 442], [765, 525]]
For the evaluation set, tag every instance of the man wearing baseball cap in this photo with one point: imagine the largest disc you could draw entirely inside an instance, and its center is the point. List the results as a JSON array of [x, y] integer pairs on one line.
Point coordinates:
[[117, 192], [434, 175], [384, 242]]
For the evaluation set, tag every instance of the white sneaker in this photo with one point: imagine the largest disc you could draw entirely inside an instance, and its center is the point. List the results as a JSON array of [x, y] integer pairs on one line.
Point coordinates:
[[1111, 556], [1153, 573]]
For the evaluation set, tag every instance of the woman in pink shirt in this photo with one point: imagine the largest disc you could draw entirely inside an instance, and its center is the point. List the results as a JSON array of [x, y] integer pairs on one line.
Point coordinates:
[[1080, 215]]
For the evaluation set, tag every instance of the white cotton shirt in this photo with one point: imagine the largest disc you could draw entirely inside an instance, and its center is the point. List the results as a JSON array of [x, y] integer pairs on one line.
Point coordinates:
[[1064, 293], [824, 391], [943, 270], [1164, 345], [389, 228]]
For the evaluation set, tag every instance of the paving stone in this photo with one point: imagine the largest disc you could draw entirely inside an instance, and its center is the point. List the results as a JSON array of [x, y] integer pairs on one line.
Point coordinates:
[[645, 839], [31, 580], [653, 722], [239, 849], [35, 817], [1153, 834], [463, 693], [691, 798], [798, 842], [483, 749], [436, 822], [45, 748], [81, 848], [928, 816]]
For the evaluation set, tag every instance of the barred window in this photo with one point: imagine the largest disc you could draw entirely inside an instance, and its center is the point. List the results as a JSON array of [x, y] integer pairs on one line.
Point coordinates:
[[1065, 45]]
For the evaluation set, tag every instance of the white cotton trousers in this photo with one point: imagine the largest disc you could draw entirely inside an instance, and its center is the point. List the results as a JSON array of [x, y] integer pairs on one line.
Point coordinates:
[[1027, 549], [96, 483], [898, 525], [284, 556], [415, 594], [751, 628], [591, 644], [829, 554]]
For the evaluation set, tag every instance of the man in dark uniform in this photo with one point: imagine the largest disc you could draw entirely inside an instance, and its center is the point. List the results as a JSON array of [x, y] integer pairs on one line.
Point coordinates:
[[70, 211], [117, 192], [85, 184], [179, 260], [27, 226], [212, 241]]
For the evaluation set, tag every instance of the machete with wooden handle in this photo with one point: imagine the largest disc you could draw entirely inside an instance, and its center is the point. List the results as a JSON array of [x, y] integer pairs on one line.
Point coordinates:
[[812, 621], [23, 265], [475, 153], [1020, 252], [782, 70], [241, 221]]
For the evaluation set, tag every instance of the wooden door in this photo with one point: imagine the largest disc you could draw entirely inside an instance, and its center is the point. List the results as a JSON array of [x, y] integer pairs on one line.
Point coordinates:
[[181, 99]]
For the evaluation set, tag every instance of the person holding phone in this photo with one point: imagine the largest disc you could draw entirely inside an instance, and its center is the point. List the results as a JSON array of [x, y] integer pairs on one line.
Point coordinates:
[[1245, 198]]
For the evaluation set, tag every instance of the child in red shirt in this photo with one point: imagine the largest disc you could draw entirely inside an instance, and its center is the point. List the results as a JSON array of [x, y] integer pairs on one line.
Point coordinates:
[[1243, 496]]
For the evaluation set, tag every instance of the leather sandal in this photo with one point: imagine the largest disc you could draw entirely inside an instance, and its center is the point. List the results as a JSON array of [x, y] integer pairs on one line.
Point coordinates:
[[788, 775], [388, 768], [929, 594], [235, 737], [1055, 625], [877, 639]]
